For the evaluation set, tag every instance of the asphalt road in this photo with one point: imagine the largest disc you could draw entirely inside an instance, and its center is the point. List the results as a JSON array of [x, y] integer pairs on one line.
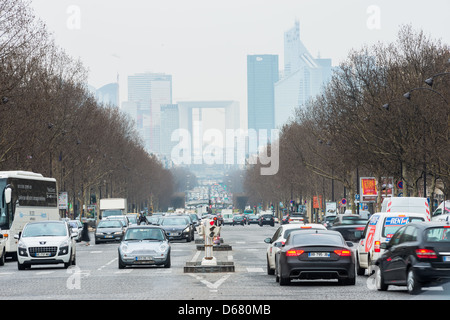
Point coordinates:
[[96, 276]]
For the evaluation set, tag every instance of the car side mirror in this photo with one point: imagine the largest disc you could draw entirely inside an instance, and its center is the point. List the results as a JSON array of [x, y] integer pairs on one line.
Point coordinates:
[[385, 245], [349, 243], [268, 240]]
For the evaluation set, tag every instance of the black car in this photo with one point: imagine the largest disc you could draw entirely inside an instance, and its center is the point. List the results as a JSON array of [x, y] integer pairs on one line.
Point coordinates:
[[239, 219], [252, 218], [315, 254], [418, 254], [177, 228], [266, 219], [351, 229]]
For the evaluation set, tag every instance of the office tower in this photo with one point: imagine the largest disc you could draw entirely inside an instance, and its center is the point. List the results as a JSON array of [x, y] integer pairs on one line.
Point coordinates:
[[262, 74], [149, 91], [303, 78], [170, 122]]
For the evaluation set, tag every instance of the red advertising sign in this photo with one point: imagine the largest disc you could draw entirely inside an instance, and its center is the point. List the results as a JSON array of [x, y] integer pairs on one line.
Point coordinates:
[[368, 189]]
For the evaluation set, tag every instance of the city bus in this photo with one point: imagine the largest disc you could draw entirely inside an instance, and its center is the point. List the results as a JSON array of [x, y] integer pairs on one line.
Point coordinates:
[[24, 197]]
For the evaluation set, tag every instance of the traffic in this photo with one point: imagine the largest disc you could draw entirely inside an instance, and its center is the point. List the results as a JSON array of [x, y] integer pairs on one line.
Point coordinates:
[[401, 247]]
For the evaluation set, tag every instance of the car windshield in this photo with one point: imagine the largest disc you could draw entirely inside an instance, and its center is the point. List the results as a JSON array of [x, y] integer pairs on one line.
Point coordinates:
[[73, 225], [317, 239], [132, 218], [173, 221], [109, 224], [438, 234], [144, 234], [288, 231], [45, 230]]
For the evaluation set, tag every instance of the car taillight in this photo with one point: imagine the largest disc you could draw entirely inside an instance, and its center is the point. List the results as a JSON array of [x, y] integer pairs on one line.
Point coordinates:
[[426, 254], [294, 253], [343, 253], [376, 246]]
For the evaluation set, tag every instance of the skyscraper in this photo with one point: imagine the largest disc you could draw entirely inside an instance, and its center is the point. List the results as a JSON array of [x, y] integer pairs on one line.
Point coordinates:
[[303, 77], [262, 74], [149, 91]]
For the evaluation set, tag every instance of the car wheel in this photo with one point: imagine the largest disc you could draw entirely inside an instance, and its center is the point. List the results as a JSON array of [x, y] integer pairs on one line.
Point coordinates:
[[2, 259], [270, 271], [379, 280], [167, 263], [121, 264], [284, 281], [411, 282], [359, 271]]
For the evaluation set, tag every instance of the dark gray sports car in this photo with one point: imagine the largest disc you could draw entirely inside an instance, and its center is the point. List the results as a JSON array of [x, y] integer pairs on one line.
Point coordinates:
[[316, 254]]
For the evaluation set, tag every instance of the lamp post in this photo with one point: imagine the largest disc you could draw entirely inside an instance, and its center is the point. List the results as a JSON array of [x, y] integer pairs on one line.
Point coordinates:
[[407, 95]]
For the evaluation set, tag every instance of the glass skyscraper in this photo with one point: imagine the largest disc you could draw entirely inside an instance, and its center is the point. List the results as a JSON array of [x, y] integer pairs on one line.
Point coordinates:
[[262, 74]]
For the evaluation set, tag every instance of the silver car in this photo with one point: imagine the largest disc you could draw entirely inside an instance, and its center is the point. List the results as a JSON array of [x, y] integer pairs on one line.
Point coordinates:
[[144, 245]]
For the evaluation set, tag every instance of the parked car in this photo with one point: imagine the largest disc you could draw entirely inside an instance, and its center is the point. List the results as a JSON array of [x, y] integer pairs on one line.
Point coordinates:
[[46, 242], [266, 219], [279, 238], [109, 230], [417, 255], [144, 245], [316, 254]]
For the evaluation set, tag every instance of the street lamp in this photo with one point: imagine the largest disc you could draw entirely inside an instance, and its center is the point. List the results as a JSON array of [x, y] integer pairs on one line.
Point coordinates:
[[430, 80]]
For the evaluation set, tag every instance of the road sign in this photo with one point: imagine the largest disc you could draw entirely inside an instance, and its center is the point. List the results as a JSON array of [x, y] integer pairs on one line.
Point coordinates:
[[344, 201], [400, 184]]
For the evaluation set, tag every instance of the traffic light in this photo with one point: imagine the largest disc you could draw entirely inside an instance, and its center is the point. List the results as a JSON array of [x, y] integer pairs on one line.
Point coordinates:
[[212, 230]]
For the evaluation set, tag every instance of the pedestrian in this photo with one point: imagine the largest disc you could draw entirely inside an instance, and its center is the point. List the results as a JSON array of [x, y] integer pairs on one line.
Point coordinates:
[[85, 233]]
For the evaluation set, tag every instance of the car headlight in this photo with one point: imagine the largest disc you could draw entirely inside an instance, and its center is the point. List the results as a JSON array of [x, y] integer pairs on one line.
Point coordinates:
[[187, 229], [163, 247], [22, 249], [124, 248]]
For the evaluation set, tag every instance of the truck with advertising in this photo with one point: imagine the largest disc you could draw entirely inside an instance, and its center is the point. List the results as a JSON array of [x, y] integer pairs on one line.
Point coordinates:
[[113, 207]]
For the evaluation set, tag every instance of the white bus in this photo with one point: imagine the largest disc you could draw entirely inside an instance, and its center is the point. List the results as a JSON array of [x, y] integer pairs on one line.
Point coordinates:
[[25, 196]]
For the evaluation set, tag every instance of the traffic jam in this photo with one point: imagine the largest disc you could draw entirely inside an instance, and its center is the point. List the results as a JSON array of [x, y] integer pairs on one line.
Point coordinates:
[[402, 246]]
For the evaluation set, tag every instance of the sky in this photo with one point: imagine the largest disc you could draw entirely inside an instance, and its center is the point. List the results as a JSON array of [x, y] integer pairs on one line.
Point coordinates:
[[203, 44]]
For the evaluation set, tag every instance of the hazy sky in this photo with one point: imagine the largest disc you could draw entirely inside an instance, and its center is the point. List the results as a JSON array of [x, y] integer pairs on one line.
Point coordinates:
[[203, 44]]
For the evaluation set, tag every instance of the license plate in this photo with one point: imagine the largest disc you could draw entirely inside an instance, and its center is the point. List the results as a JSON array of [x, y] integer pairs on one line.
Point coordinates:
[[108, 236], [144, 258], [446, 258], [43, 254], [319, 254]]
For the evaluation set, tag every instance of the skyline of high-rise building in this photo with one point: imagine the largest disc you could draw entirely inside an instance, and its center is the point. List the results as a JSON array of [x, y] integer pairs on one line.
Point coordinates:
[[149, 91], [303, 77], [262, 74]]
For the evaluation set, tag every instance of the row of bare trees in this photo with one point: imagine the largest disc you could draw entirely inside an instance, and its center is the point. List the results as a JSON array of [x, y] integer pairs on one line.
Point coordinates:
[[51, 124], [380, 115]]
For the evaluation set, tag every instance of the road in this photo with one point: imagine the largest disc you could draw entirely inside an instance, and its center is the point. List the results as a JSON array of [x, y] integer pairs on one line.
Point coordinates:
[[97, 276]]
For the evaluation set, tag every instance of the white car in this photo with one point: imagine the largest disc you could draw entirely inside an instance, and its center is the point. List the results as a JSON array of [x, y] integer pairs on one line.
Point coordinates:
[[46, 242], [279, 237]]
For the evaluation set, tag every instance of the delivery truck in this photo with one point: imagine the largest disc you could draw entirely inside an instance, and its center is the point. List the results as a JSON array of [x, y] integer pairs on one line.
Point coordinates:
[[113, 207]]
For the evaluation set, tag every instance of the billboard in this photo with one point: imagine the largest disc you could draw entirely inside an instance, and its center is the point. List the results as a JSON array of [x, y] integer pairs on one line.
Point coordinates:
[[368, 190]]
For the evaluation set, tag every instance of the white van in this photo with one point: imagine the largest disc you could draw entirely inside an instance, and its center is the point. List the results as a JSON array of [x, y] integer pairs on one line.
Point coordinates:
[[227, 215], [442, 213], [380, 228], [406, 204]]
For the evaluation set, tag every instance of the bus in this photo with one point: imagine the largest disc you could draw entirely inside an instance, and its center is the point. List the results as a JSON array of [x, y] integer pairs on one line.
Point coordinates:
[[24, 197]]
